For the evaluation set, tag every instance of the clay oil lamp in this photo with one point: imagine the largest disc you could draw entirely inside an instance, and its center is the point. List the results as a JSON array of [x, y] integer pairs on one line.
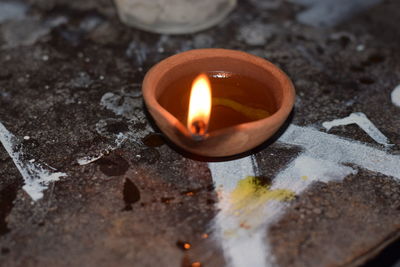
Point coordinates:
[[217, 102]]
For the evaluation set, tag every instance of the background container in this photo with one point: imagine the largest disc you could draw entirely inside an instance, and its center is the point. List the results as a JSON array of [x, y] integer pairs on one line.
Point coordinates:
[[173, 16]]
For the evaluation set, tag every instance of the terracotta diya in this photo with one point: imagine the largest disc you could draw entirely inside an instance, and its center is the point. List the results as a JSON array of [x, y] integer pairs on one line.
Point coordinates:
[[237, 100]]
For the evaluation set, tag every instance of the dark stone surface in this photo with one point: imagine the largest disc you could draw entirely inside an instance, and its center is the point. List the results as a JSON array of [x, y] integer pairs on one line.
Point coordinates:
[[135, 204], [337, 213]]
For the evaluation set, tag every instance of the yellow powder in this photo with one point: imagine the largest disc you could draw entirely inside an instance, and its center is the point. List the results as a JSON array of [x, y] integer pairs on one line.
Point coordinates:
[[304, 178], [250, 193]]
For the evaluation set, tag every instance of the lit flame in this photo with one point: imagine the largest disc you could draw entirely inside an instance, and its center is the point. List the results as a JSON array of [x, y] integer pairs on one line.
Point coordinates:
[[199, 105]]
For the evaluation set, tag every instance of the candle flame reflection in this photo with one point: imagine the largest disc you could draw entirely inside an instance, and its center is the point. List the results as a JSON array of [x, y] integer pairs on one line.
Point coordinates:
[[199, 106]]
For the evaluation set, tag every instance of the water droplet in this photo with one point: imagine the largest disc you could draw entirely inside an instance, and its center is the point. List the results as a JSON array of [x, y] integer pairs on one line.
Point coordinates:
[[113, 165], [131, 194], [153, 140], [5, 251]]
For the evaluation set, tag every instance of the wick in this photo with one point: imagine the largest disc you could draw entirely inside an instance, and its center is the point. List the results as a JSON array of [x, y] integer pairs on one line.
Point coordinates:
[[198, 129]]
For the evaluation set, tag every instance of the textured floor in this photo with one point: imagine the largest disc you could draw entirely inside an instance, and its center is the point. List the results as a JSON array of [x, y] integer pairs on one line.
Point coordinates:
[[72, 111]]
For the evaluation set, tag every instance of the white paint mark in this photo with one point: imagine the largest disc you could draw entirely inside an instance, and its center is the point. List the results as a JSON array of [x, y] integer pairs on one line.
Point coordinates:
[[297, 177], [128, 105], [27, 137], [364, 123], [328, 13], [12, 11], [228, 173], [312, 169], [36, 177], [256, 33], [56, 21], [244, 247], [138, 51], [121, 138], [360, 47], [121, 104], [82, 80], [395, 96], [24, 32], [323, 160], [90, 23], [89, 159], [203, 41], [329, 147]]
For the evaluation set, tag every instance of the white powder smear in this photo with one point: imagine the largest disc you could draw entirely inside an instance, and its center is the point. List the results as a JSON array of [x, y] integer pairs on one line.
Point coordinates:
[[329, 147], [364, 123], [305, 169], [36, 176]]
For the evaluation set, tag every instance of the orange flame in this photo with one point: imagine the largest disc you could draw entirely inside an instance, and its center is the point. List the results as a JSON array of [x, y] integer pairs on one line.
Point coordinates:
[[199, 105]]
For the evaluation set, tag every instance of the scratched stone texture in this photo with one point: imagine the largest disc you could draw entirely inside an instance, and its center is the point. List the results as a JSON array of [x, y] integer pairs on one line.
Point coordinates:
[[70, 90]]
